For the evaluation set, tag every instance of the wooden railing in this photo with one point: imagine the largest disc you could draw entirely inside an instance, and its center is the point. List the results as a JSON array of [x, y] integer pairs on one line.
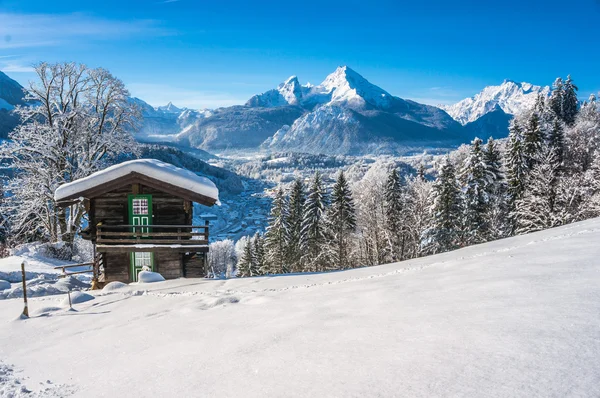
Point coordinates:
[[152, 234], [64, 269]]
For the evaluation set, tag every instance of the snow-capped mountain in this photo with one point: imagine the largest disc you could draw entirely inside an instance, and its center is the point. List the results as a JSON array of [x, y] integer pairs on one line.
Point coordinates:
[[169, 108], [345, 114], [510, 97], [343, 87]]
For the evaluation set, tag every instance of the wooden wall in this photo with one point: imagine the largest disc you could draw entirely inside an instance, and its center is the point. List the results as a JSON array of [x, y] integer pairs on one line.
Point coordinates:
[[194, 265], [116, 267], [112, 208]]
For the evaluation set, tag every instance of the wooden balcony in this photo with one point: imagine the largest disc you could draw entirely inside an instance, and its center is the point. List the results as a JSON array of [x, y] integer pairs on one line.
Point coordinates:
[[151, 238]]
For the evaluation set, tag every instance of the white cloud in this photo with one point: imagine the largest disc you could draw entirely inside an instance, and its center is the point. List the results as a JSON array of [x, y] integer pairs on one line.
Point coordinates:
[[43, 30], [161, 94]]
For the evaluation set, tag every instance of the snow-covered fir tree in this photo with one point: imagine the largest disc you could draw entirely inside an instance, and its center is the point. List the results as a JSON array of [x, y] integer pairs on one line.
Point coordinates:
[[475, 180], [277, 235], [297, 199], [556, 139], [570, 103], [533, 136], [341, 224], [259, 253], [557, 98], [516, 166], [446, 211], [496, 188], [313, 225], [247, 265], [394, 216]]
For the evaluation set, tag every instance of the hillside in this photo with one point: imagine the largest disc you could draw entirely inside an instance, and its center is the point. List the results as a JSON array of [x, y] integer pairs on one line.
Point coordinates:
[[516, 317], [11, 95]]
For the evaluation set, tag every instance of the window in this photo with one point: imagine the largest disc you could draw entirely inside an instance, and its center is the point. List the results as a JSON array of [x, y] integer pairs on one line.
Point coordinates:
[[143, 259], [140, 206]]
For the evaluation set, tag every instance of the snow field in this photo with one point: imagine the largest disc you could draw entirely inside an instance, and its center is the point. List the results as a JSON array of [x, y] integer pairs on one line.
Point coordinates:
[[515, 317]]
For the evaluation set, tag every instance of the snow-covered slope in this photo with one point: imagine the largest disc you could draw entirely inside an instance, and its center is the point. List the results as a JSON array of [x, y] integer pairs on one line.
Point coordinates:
[[11, 95], [510, 96], [514, 318]]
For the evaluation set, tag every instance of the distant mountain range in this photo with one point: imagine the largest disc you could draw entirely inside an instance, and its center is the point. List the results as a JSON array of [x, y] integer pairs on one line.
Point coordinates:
[[489, 112], [345, 114]]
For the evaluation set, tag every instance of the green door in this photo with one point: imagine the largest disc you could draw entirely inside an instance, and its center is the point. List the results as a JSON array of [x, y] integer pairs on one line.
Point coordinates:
[[140, 213], [139, 261]]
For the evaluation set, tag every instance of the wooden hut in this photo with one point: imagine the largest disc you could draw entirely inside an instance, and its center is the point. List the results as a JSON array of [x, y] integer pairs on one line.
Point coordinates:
[[140, 215]]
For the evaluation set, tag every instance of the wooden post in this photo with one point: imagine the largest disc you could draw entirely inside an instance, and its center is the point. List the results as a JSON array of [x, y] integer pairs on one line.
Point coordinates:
[[70, 304], [25, 309]]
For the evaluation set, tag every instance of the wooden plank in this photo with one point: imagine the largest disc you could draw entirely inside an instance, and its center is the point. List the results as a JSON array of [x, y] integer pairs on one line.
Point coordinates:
[[130, 249], [155, 226], [152, 241], [152, 234]]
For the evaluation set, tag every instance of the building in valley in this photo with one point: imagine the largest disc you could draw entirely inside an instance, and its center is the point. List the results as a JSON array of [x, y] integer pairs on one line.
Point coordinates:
[[140, 215]]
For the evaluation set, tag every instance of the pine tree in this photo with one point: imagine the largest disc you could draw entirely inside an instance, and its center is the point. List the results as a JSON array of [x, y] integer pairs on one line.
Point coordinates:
[[421, 172], [277, 236], [341, 223], [446, 211], [394, 209], [259, 254], [533, 138], [497, 211], [247, 264], [556, 98], [516, 166], [556, 140], [475, 180], [295, 217], [570, 104], [313, 225]]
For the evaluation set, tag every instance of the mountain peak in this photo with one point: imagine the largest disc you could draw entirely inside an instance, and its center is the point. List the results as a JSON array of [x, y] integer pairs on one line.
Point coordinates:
[[169, 108], [511, 97]]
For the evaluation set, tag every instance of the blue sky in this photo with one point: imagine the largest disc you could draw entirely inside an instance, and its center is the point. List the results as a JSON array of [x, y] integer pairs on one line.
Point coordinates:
[[217, 53]]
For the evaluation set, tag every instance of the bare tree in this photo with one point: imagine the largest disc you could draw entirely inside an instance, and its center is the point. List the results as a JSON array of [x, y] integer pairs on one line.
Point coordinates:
[[77, 119]]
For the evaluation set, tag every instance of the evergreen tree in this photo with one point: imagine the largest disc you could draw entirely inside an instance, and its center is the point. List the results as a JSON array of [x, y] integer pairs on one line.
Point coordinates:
[[556, 98], [533, 138], [313, 225], [496, 212], [277, 236], [295, 217], [475, 180], [259, 254], [446, 211], [247, 264], [516, 165], [394, 208], [421, 172], [341, 223], [556, 140], [570, 104]]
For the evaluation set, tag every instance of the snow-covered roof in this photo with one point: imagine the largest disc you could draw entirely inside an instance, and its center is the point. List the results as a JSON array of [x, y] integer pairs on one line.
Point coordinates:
[[163, 173]]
